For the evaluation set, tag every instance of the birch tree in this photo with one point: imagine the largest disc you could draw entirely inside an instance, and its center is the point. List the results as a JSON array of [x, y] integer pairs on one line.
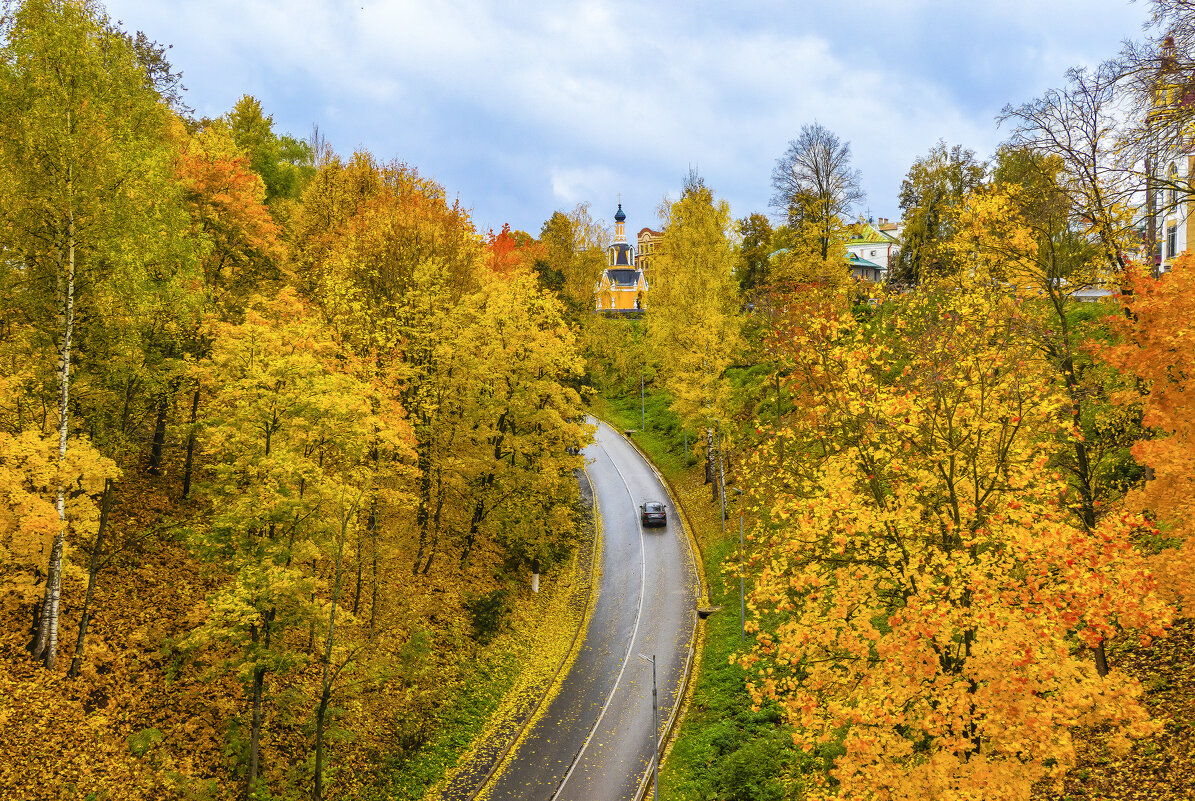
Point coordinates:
[[80, 129]]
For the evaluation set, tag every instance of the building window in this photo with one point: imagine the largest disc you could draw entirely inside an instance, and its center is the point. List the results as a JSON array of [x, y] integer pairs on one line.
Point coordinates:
[[873, 253], [1172, 190], [1171, 241]]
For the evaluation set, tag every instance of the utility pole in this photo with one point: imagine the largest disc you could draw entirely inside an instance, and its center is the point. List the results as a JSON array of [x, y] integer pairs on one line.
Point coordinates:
[[642, 405], [655, 730]]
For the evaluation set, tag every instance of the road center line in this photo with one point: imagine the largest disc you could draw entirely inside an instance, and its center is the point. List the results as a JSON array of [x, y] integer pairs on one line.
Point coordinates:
[[634, 632]]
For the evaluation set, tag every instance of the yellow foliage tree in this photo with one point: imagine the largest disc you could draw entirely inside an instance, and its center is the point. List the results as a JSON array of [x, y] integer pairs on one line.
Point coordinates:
[[694, 328], [920, 587]]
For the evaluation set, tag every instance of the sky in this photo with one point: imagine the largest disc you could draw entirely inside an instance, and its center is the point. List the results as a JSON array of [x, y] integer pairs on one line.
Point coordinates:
[[522, 108]]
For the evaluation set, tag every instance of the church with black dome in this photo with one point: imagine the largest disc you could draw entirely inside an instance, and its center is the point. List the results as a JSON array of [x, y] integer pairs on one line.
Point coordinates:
[[622, 287]]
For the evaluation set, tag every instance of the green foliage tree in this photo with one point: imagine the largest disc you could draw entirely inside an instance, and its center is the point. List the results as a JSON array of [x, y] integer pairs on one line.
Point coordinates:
[[930, 195], [284, 163], [755, 246]]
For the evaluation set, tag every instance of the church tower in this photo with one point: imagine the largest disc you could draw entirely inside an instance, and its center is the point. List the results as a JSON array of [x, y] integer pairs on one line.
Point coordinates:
[[622, 287], [620, 253]]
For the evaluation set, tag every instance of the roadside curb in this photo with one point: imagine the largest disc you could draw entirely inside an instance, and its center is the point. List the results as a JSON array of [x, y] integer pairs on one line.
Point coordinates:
[[525, 712]]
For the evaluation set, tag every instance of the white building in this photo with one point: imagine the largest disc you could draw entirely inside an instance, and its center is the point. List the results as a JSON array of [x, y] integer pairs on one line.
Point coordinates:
[[874, 243]]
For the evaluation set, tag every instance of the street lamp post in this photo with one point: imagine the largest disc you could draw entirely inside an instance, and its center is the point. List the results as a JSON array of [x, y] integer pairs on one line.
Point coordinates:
[[655, 731], [642, 405]]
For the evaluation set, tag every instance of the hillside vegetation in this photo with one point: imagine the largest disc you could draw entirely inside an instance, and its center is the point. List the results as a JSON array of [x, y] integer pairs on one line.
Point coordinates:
[[282, 440]]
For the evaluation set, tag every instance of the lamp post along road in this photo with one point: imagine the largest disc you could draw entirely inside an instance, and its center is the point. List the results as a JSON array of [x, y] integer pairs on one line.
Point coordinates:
[[655, 730], [642, 405]]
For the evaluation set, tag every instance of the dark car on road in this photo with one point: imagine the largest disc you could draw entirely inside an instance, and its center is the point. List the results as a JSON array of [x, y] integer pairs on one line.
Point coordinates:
[[653, 513]]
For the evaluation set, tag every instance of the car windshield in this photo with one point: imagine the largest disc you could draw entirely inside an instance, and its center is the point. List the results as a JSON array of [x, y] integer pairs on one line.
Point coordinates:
[[653, 507]]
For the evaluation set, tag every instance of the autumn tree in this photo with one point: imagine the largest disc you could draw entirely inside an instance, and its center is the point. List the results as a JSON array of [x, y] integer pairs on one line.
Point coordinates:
[[387, 260], [518, 367], [815, 186], [572, 258], [919, 587], [1024, 232], [694, 329], [1078, 126], [81, 164], [694, 324], [1155, 346], [930, 194], [290, 432]]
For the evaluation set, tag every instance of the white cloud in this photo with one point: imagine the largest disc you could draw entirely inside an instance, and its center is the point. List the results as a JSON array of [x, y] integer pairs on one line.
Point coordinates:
[[524, 108], [576, 184]]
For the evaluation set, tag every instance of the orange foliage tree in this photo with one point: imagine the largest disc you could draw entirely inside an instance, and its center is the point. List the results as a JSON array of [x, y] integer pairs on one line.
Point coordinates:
[[1158, 346], [923, 595]]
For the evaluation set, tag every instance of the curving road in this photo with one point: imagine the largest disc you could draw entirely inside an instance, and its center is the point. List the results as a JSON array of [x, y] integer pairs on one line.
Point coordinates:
[[594, 740]]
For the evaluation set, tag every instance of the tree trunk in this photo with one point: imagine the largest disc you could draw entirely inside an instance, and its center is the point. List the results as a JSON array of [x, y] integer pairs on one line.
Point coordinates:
[[92, 572], [357, 589], [317, 792], [159, 443], [1101, 660], [779, 437], [373, 547], [423, 511], [190, 446], [437, 517], [710, 478], [45, 647], [325, 683], [259, 676], [1151, 214], [159, 429]]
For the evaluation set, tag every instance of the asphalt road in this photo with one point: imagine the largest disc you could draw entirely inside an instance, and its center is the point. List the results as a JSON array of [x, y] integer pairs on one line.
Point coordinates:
[[594, 741]]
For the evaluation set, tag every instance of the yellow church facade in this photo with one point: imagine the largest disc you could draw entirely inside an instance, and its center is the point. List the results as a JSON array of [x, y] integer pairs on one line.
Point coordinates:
[[623, 285]]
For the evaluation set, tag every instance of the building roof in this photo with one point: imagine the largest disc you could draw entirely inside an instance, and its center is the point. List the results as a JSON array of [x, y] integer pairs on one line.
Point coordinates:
[[623, 277], [620, 215], [866, 233], [858, 261], [645, 230]]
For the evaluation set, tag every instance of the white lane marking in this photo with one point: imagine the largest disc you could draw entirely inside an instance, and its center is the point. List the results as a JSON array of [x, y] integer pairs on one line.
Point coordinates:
[[630, 646]]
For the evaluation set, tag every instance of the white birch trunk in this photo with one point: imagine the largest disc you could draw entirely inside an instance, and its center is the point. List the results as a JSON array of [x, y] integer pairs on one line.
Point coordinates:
[[45, 647]]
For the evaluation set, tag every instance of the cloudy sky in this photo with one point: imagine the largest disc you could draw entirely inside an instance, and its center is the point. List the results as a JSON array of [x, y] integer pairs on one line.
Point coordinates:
[[520, 108]]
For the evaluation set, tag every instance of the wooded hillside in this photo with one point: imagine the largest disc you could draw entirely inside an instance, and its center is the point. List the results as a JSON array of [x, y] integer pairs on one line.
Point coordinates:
[[282, 439]]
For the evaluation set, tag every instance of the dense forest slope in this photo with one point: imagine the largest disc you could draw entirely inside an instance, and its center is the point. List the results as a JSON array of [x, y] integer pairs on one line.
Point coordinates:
[[282, 440]]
